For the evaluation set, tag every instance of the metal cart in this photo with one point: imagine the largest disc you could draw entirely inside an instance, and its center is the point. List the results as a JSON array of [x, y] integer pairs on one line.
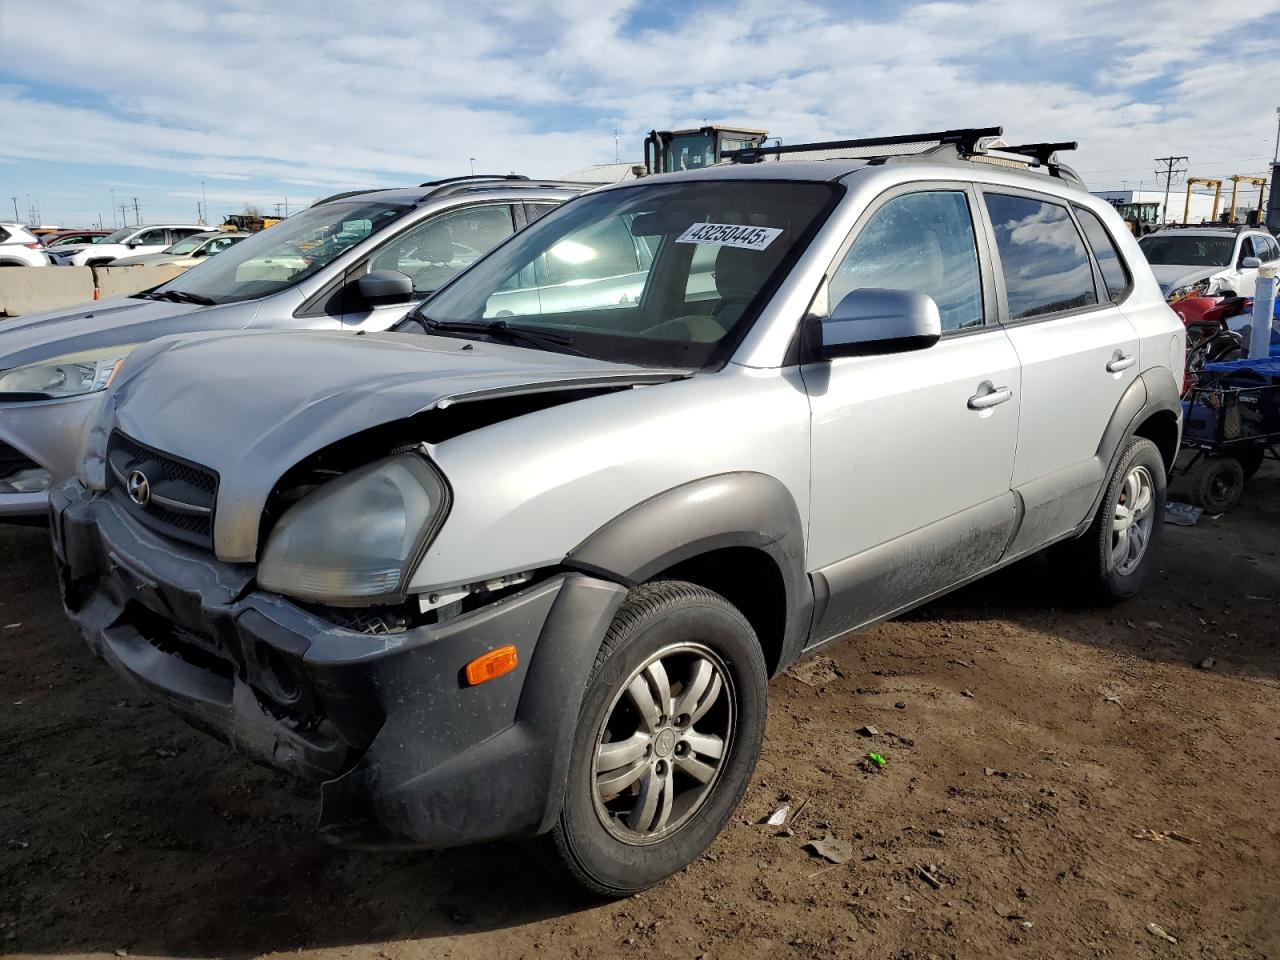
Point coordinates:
[[1231, 422]]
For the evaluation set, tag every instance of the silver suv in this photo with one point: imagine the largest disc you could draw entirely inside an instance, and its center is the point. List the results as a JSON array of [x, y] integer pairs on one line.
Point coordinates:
[[353, 262], [524, 567]]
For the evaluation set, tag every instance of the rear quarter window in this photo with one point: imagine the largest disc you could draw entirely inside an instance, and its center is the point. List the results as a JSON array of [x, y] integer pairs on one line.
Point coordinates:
[[1114, 272]]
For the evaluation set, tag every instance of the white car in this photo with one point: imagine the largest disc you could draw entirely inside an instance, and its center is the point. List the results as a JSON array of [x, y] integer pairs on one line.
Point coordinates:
[[126, 242], [187, 252], [1208, 260], [20, 248]]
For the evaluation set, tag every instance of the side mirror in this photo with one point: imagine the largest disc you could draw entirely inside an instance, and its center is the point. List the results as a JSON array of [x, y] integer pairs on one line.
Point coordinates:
[[1250, 263], [872, 321], [385, 286], [133, 244]]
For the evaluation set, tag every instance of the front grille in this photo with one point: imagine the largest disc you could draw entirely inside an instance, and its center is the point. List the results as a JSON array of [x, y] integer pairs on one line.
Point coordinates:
[[179, 497]]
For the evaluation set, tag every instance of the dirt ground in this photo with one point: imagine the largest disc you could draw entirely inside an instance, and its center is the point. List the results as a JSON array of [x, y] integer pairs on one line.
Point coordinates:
[[1066, 777]]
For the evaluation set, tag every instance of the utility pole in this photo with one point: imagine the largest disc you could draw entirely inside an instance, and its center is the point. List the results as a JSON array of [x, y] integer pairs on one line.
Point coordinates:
[[286, 208], [1170, 168], [137, 217], [124, 216], [204, 203], [473, 166], [277, 211], [15, 208]]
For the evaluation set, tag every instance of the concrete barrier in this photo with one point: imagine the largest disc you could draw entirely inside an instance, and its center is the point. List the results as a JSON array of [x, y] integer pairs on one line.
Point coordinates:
[[122, 281], [33, 289]]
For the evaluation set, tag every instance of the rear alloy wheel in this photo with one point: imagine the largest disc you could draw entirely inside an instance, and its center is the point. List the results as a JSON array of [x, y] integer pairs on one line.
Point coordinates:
[[668, 735], [1113, 557]]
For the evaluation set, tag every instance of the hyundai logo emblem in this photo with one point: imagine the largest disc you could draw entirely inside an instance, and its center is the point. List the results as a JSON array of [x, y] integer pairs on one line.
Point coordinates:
[[138, 487]]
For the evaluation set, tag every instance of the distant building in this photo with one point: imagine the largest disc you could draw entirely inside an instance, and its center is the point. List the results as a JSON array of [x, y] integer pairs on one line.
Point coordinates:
[[1201, 203], [605, 173]]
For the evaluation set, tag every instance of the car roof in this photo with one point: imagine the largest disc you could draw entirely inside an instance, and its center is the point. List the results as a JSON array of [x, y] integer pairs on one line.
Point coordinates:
[[464, 186], [1206, 231]]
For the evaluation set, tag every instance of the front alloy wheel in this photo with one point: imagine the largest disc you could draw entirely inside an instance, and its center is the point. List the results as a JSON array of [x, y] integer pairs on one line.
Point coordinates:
[[668, 734], [660, 747]]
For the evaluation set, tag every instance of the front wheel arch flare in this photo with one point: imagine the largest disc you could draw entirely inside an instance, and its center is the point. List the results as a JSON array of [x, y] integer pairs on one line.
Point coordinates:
[[738, 512]]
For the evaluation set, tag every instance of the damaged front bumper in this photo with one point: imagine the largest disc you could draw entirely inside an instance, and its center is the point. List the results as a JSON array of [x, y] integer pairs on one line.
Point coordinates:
[[406, 753]]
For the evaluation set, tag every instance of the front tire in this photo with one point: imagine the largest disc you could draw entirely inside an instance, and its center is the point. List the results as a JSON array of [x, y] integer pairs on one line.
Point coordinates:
[[668, 736]]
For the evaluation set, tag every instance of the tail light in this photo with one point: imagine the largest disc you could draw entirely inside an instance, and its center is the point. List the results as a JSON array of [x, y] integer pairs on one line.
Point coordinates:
[[34, 246]]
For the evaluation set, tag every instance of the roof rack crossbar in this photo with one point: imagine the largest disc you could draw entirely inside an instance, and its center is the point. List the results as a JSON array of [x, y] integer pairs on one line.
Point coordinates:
[[1042, 152], [965, 138]]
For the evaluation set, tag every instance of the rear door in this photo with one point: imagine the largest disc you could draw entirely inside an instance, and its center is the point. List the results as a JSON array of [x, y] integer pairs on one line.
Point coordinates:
[[913, 452], [1077, 350]]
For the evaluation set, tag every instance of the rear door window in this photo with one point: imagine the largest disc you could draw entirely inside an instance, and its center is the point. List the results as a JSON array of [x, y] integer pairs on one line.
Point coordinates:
[[1043, 259], [1114, 273]]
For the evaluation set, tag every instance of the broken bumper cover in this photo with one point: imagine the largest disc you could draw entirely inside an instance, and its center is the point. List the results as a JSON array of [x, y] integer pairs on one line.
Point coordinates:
[[407, 755]]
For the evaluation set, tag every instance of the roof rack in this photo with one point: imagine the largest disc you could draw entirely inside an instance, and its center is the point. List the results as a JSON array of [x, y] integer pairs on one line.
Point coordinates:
[[474, 176], [1041, 152], [464, 184], [970, 143], [965, 139]]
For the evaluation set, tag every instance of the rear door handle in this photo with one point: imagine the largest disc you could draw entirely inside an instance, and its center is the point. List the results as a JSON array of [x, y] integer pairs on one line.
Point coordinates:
[[1122, 362], [984, 401]]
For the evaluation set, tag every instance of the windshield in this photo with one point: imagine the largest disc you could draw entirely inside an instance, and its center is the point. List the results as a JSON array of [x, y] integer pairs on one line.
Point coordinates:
[[667, 274], [120, 236], [1189, 251], [285, 254], [187, 245]]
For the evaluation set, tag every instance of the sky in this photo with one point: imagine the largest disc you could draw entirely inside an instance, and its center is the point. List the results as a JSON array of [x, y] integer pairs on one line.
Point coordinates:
[[245, 102]]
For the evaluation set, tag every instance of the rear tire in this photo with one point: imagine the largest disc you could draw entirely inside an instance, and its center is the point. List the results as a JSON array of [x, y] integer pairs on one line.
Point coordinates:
[[668, 736], [1217, 483], [1113, 558]]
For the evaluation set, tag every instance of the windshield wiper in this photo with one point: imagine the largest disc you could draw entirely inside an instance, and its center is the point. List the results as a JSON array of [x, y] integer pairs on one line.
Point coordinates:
[[178, 296], [500, 328]]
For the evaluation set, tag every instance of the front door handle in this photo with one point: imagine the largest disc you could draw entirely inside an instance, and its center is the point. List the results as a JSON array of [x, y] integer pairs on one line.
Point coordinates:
[[1122, 362], [994, 397]]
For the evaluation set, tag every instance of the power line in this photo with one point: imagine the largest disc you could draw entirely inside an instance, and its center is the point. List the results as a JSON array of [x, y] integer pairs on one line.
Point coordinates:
[[1169, 170]]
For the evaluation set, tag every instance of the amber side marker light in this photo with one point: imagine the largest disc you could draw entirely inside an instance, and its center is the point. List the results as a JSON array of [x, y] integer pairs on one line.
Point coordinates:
[[491, 665]]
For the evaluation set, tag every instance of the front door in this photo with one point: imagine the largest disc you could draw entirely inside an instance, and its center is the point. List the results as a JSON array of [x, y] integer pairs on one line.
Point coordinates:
[[1077, 350], [912, 452]]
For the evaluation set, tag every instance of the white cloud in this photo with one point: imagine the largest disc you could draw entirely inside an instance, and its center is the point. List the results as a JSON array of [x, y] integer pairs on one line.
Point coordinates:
[[326, 95]]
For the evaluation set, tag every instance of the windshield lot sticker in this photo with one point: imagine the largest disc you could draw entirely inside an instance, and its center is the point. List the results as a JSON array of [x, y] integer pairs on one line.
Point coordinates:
[[730, 235]]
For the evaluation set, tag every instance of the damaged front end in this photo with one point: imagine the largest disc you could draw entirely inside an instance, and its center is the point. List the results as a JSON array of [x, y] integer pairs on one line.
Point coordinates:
[[370, 702]]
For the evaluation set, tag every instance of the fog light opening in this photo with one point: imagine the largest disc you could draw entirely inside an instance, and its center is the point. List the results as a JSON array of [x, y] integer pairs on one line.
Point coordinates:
[[27, 480]]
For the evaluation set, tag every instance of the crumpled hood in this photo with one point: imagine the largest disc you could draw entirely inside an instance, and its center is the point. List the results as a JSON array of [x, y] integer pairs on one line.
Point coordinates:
[[250, 405], [33, 337], [1174, 275]]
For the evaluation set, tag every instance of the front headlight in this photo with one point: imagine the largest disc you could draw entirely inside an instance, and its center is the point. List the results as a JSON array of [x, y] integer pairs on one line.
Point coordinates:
[[357, 537], [1194, 289], [72, 375]]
